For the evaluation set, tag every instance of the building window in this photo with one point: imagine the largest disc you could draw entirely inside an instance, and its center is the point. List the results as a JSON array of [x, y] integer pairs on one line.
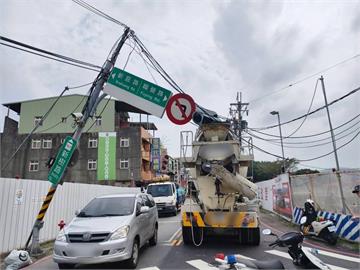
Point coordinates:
[[33, 166], [92, 143], [124, 164], [124, 142], [91, 164], [38, 120], [63, 119], [47, 143], [35, 144], [98, 120]]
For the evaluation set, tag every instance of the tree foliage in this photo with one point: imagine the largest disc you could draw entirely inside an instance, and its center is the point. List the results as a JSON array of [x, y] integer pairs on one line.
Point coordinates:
[[305, 171], [265, 170]]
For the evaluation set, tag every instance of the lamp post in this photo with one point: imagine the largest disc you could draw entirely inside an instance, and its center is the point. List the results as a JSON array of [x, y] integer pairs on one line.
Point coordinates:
[[282, 146]]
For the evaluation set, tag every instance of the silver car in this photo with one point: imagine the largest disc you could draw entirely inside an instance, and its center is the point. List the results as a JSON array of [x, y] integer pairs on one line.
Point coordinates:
[[108, 229]]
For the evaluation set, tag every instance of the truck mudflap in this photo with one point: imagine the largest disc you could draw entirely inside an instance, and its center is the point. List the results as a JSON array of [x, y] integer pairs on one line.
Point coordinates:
[[220, 219]]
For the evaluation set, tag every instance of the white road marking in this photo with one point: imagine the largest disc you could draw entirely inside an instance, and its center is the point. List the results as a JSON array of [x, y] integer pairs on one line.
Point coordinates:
[[339, 256], [287, 256], [174, 235], [244, 257], [150, 268], [279, 253], [169, 221], [202, 265]]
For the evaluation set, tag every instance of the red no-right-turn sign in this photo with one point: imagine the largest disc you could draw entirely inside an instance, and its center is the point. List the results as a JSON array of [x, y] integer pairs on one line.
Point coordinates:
[[180, 108]]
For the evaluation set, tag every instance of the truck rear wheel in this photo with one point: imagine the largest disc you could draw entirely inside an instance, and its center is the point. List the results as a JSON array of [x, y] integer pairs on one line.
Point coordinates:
[[249, 236], [187, 235]]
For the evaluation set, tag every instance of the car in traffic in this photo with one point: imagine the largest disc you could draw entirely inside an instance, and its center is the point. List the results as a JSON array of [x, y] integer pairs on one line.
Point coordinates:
[[109, 228], [165, 196]]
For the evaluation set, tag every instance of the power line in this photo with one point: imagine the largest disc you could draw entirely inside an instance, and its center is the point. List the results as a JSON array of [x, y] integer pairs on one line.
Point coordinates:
[[310, 159], [48, 57], [307, 77], [315, 145], [302, 142], [43, 119], [144, 50], [34, 129], [98, 116], [311, 103], [98, 12], [305, 136], [58, 123], [161, 71], [66, 58], [305, 115], [156, 65]]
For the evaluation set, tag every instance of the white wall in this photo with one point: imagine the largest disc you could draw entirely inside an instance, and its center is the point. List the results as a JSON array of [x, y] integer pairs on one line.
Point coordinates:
[[265, 194], [20, 202]]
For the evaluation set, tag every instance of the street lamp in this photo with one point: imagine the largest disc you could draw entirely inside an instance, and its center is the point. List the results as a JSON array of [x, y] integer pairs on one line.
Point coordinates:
[[282, 146]]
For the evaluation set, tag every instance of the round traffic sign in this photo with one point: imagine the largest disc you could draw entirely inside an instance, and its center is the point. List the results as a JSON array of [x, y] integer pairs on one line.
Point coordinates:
[[180, 108]]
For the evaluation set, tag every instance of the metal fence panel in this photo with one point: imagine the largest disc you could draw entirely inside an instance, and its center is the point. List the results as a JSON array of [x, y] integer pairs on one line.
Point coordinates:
[[21, 200], [324, 189]]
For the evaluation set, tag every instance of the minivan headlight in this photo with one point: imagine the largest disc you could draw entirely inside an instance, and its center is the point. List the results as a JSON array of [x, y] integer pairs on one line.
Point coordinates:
[[61, 236], [121, 232]]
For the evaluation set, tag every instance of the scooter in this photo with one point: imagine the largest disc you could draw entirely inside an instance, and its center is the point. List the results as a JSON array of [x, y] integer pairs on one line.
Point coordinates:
[[238, 262], [322, 229], [301, 256]]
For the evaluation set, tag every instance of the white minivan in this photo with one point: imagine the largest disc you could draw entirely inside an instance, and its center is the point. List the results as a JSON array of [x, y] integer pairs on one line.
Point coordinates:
[[109, 228], [164, 194]]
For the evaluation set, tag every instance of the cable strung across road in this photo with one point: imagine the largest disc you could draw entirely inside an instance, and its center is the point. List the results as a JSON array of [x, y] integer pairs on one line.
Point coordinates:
[[277, 141], [41, 52], [311, 146], [302, 160], [305, 115]]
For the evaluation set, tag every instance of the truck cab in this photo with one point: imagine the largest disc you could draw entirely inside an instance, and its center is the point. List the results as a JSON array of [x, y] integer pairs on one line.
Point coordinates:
[[165, 197]]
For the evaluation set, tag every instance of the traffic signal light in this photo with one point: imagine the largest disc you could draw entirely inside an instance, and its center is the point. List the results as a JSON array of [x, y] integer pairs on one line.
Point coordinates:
[[165, 163]]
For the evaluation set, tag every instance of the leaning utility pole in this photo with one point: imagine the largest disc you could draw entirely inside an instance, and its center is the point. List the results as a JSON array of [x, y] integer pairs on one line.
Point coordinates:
[[88, 111], [334, 146]]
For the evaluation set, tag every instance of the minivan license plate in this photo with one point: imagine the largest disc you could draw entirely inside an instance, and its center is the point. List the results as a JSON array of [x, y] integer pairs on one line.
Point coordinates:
[[332, 229]]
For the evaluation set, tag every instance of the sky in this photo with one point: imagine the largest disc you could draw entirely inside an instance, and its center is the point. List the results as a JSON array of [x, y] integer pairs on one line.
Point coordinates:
[[273, 52]]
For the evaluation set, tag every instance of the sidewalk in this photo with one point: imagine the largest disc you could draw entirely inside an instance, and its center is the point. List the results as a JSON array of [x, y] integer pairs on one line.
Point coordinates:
[[279, 226]]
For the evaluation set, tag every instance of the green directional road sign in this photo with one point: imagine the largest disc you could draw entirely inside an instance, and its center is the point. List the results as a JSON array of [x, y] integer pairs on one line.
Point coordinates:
[[138, 92], [62, 159]]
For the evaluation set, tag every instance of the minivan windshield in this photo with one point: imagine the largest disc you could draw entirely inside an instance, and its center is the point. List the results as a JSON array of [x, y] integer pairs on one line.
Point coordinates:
[[103, 207], [159, 190]]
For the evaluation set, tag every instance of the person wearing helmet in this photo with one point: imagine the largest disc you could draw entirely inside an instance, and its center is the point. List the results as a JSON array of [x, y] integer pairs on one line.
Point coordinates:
[[309, 211]]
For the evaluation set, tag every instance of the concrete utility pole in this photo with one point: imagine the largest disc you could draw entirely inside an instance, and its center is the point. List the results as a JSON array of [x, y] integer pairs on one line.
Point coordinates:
[[88, 111], [236, 111], [334, 146], [281, 140]]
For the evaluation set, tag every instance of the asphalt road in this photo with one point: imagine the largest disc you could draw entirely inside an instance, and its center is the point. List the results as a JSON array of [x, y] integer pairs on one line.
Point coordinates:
[[171, 253]]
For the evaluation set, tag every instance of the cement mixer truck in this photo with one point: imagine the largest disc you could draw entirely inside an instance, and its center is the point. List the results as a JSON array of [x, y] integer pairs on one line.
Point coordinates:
[[221, 200]]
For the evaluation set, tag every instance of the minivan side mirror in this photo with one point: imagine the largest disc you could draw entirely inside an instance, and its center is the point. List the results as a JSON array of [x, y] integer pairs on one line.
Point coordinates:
[[144, 209]]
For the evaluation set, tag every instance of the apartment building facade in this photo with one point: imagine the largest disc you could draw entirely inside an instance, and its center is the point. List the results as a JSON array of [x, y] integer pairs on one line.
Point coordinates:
[[112, 150]]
